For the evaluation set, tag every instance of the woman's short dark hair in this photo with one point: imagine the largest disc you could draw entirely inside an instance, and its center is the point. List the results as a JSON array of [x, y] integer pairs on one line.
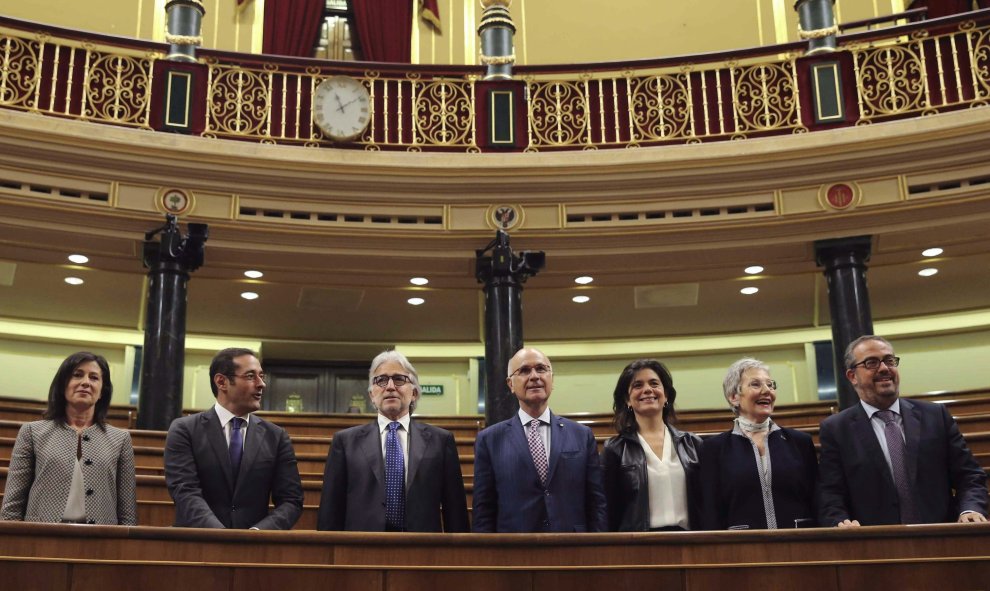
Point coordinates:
[[56, 394], [624, 420]]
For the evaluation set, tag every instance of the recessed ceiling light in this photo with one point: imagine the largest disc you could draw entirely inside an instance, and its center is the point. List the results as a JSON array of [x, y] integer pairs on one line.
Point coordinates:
[[749, 290], [79, 259], [254, 274], [753, 270], [249, 295], [928, 272], [583, 280], [419, 281], [580, 299], [931, 252], [74, 281], [416, 301]]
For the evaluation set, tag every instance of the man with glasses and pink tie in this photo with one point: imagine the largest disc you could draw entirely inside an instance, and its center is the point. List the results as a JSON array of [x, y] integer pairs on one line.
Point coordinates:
[[224, 464], [890, 460], [536, 472], [395, 473]]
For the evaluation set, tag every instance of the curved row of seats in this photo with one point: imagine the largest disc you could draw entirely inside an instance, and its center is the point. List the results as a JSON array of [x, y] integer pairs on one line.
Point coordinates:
[[312, 435]]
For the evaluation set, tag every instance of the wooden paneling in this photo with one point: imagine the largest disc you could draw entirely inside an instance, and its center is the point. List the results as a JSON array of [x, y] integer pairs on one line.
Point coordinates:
[[459, 580], [148, 577], [929, 574], [750, 576], [52, 556], [21, 574]]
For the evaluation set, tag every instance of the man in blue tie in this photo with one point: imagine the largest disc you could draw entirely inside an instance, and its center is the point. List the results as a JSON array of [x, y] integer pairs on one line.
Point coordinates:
[[395, 473], [890, 460], [536, 472], [223, 465]]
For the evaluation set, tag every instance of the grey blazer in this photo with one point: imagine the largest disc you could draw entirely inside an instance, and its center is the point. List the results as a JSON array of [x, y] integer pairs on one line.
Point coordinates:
[[205, 489], [41, 467]]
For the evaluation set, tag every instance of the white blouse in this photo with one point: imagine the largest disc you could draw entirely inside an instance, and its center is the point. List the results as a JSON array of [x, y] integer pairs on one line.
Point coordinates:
[[667, 485]]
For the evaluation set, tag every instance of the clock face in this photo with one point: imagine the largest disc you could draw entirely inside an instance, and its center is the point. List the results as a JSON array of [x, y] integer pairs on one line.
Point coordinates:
[[341, 107]]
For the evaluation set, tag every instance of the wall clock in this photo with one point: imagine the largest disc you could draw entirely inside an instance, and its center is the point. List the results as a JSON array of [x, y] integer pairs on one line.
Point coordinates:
[[342, 108]]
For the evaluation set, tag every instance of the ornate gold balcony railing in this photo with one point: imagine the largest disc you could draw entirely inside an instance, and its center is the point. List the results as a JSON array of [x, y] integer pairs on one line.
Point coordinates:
[[904, 71]]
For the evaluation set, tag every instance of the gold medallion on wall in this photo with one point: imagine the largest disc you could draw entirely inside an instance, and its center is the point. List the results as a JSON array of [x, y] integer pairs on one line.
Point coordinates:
[[504, 216], [840, 196], [174, 201]]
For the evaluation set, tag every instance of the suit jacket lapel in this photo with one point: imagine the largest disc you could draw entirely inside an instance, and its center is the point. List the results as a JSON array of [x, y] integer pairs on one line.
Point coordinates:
[[417, 445], [910, 415], [866, 440], [558, 435], [255, 438], [215, 435], [370, 443]]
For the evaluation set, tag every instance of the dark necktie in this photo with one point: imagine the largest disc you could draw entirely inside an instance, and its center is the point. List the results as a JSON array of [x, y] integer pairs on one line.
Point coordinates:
[[898, 465], [236, 448], [538, 450], [395, 480]]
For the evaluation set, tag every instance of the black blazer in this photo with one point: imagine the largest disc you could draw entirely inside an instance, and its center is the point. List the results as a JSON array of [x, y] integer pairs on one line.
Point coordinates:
[[353, 496], [730, 482], [626, 490], [856, 482], [206, 491]]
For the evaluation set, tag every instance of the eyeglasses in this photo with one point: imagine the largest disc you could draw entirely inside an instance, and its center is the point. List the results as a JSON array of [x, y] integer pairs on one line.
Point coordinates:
[[758, 385], [398, 379], [525, 370], [873, 363], [250, 376]]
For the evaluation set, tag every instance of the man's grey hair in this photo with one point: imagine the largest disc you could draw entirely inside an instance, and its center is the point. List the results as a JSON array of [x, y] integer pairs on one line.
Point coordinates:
[[393, 355], [733, 378], [849, 359]]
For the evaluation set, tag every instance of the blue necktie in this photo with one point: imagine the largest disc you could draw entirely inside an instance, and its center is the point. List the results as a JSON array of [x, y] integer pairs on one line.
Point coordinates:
[[395, 481], [236, 448]]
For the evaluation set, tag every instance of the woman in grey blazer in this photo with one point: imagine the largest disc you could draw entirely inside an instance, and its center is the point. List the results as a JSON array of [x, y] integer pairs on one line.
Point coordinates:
[[72, 467]]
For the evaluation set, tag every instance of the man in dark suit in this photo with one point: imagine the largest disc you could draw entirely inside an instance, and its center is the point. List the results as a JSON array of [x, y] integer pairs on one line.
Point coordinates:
[[518, 486], [223, 464], [393, 474], [891, 460]]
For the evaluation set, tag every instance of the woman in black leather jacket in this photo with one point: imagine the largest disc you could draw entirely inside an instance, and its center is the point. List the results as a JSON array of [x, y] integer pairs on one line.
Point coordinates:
[[651, 468]]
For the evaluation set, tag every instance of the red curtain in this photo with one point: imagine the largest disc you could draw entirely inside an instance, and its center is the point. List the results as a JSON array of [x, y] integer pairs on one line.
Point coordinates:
[[292, 26], [385, 29]]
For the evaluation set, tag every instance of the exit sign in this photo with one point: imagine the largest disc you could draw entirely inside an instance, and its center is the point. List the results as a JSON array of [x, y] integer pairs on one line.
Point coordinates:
[[431, 389]]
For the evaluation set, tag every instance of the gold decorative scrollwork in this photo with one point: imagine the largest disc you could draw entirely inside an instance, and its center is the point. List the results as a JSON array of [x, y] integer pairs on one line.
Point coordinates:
[[981, 62], [239, 101], [18, 71], [890, 80], [118, 89], [766, 97], [660, 106], [558, 113], [444, 113]]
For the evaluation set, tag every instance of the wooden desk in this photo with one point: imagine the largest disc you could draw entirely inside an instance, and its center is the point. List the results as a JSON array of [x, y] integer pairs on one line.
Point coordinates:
[[57, 557]]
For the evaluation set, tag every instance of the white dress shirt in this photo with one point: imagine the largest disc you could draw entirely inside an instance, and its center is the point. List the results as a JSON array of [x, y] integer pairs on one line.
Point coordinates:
[[666, 483]]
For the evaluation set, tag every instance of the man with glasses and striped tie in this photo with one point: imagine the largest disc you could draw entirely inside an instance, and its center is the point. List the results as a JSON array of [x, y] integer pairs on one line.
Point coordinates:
[[891, 460], [223, 464], [395, 473], [536, 472]]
